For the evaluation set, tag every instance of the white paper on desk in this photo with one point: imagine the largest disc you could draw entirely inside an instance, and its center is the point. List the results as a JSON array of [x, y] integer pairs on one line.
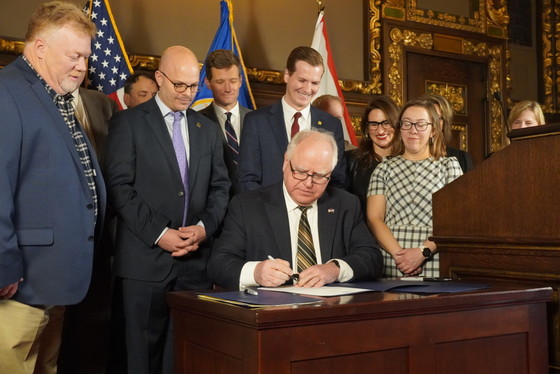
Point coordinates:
[[320, 291]]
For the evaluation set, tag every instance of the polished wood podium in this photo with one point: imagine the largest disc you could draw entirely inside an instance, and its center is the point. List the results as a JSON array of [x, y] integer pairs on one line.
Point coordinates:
[[501, 330], [501, 220]]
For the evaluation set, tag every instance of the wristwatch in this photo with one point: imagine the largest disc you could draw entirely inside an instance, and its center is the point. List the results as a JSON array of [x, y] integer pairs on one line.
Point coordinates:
[[426, 252]]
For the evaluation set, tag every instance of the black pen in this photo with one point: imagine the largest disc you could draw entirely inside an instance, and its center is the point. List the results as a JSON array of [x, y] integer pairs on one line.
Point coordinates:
[[294, 277]]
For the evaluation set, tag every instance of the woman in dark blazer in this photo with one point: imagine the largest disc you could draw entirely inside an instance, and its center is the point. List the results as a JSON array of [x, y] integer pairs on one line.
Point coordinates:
[[377, 130]]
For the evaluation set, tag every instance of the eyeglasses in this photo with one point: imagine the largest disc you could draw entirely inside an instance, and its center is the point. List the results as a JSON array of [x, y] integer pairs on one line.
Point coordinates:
[[315, 178], [420, 125], [182, 87], [374, 125]]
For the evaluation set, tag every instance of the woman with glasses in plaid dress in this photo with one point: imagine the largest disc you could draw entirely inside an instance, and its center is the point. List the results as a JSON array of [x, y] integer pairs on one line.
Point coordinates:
[[399, 204]]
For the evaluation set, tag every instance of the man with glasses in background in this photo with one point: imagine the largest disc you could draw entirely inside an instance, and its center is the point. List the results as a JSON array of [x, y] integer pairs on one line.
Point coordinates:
[[168, 184], [298, 230]]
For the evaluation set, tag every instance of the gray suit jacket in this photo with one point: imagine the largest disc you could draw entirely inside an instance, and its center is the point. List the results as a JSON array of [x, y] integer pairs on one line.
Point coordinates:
[[257, 226], [145, 189], [232, 167]]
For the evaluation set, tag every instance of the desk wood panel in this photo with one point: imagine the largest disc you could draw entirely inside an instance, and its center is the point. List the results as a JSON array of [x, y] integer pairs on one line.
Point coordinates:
[[367, 333]]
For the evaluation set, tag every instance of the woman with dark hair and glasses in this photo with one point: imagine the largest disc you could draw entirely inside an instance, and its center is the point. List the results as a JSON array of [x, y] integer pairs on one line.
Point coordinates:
[[399, 204], [377, 130]]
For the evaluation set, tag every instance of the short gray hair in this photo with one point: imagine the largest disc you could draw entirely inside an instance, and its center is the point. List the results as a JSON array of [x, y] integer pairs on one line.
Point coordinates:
[[320, 134]]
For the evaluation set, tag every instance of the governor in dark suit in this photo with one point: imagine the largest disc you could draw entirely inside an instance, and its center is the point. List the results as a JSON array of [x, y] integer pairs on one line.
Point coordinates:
[[223, 77], [307, 227], [52, 194], [168, 183], [267, 131]]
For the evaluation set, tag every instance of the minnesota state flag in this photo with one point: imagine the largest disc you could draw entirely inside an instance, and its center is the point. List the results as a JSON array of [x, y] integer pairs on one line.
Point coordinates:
[[225, 39]]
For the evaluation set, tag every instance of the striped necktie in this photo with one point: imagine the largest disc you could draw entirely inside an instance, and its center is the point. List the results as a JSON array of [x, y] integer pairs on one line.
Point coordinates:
[[305, 250], [231, 138]]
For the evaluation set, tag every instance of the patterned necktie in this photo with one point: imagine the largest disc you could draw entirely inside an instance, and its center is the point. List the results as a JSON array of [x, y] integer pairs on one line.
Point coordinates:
[[232, 139], [181, 154], [295, 125], [305, 249]]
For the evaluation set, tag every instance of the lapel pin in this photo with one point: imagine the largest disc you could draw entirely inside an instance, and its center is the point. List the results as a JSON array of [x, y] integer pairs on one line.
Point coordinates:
[[319, 123], [198, 124], [330, 210]]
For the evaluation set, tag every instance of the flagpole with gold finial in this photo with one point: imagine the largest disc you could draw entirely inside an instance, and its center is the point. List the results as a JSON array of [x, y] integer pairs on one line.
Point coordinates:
[[320, 6]]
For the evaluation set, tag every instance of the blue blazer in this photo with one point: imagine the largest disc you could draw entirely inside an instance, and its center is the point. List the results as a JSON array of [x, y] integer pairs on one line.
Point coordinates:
[[47, 228], [257, 226], [264, 142]]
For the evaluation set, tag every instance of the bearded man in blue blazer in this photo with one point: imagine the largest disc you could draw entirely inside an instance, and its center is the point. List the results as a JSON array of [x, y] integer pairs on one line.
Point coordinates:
[[52, 194], [267, 131]]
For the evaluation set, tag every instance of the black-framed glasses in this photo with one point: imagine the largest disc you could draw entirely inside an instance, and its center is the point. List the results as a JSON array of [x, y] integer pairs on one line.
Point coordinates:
[[315, 178], [181, 87], [374, 125], [420, 125]]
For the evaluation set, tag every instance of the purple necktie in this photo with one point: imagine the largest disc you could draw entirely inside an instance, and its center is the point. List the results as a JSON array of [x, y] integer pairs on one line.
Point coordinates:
[[181, 155]]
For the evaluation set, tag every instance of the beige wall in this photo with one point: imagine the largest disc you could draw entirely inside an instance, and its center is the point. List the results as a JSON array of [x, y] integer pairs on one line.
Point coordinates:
[[267, 30]]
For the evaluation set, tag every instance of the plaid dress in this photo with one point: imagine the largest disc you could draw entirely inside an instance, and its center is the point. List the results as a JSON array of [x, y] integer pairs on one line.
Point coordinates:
[[408, 187]]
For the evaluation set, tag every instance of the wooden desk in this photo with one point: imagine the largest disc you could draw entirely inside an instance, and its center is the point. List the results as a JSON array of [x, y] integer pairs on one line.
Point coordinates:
[[499, 330]]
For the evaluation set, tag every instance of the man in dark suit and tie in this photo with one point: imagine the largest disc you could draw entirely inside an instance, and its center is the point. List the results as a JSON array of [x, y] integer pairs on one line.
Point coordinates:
[[223, 77], [267, 131], [296, 226], [168, 183], [52, 194]]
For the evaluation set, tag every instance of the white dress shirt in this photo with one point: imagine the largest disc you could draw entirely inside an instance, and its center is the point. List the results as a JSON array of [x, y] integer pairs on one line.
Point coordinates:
[[304, 121]]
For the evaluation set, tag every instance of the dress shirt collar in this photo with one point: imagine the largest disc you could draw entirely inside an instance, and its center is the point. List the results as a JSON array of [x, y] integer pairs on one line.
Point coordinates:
[[165, 110], [221, 112], [289, 114], [291, 204]]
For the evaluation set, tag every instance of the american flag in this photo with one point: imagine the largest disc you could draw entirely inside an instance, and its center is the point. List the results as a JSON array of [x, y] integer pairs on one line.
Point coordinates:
[[109, 65]]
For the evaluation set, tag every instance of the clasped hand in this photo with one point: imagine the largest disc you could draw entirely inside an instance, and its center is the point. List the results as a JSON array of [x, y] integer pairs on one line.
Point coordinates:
[[182, 241], [409, 260]]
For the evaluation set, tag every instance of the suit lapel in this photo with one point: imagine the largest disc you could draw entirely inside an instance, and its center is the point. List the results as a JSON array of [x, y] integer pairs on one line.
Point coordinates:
[[196, 143], [58, 122], [242, 112], [327, 216], [316, 118], [275, 210], [154, 119], [277, 126]]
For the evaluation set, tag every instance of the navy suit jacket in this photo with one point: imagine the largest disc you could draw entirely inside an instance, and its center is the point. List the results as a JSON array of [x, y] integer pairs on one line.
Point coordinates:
[[264, 142], [257, 226], [47, 226], [146, 191], [231, 166]]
